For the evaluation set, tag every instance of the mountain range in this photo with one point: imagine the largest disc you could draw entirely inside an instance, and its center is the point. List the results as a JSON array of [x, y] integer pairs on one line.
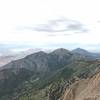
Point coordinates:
[[6, 58], [47, 76]]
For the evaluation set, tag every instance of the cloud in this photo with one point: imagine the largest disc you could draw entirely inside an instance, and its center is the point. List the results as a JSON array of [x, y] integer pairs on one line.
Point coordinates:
[[59, 25]]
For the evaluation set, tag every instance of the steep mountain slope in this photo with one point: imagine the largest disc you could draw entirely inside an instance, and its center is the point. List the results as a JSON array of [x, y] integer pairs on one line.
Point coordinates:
[[36, 66], [80, 70], [52, 85], [6, 58], [41, 59], [41, 75], [84, 89]]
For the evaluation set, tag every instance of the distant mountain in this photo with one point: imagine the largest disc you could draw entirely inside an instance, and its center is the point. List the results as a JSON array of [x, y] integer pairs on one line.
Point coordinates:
[[86, 53], [40, 75], [83, 53], [80, 51], [4, 59], [41, 59]]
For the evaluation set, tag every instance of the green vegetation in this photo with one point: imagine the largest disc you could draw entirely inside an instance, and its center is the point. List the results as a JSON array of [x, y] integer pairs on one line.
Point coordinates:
[[44, 76]]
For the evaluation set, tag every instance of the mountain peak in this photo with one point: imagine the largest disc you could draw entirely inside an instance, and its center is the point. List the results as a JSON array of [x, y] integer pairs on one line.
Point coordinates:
[[61, 50], [80, 51]]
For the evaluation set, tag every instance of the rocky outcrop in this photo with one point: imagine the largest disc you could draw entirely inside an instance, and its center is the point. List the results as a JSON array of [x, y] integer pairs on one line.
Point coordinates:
[[84, 89]]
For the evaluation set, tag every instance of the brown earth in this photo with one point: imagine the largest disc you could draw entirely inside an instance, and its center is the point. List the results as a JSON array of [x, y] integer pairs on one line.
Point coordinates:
[[84, 89]]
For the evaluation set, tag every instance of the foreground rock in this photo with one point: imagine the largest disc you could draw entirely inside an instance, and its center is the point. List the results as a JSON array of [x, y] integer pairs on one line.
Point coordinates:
[[84, 89]]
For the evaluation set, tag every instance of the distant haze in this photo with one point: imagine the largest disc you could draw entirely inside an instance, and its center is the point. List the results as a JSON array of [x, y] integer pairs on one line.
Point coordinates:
[[49, 24]]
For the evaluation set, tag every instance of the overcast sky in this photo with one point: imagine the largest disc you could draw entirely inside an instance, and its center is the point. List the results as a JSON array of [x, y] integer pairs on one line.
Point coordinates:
[[49, 24]]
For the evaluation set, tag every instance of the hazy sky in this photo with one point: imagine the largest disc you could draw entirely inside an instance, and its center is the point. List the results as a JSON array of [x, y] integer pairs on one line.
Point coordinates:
[[49, 24]]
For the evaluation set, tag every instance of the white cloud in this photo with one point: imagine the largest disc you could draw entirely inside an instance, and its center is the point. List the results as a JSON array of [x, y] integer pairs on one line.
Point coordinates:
[[15, 13]]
